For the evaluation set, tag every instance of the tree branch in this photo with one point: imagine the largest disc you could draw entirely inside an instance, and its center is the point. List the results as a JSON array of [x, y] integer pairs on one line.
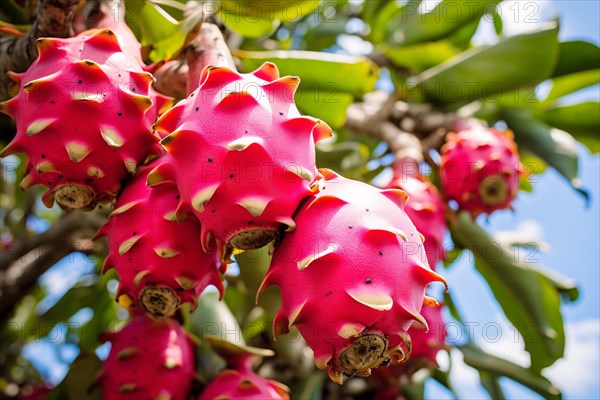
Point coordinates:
[[207, 48], [27, 260]]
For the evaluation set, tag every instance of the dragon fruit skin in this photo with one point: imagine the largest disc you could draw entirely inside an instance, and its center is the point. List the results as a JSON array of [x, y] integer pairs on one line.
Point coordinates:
[[352, 276], [425, 208], [158, 258], [240, 382], [149, 360], [480, 169], [242, 156], [425, 347], [83, 112], [427, 343]]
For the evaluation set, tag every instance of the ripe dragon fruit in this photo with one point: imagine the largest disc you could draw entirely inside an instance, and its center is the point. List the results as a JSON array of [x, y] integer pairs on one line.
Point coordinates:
[[480, 169], [83, 112], [242, 156], [352, 276], [425, 347], [425, 208], [427, 343], [148, 360], [157, 257], [238, 381]]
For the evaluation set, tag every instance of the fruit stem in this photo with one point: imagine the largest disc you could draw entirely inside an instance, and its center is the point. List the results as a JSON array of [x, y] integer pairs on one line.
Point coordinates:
[[207, 48]]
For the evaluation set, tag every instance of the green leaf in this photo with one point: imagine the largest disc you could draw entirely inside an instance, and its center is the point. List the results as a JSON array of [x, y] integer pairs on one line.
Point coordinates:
[[251, 28], [581, 120], [475, 357], [378, 15], [420, 57], [497, 19], [528, 298], [75, 299], [443, 378], [213, 317], [80, 378], [491, 384], [342, 156], [567, 84], [255, 19], [556, 147], [155, 27], [576, 56], [325, 34], [328, 104], [319, 71], [309, 387], [447, 17], [285, 10], [454, 312], [486, 71]]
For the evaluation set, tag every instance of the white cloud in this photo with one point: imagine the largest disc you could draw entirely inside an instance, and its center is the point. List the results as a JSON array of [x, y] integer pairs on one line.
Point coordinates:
[[577, 374]]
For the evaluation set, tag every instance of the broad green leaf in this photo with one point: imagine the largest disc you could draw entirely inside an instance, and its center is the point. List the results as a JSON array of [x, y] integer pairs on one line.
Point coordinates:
[[383, 17], [486, 71], [492, 385], [581, 120], [318, 71], [498, 24], [155, 24], [75, 299], [213, 318], [567, 84], [556, 147], [463, 36], [420, 57], [475, 357], [452, 308], [310, 387], [528, 298], [342, 156], [447, 17], [325, 34], [79, 380], [155, 27], [251, 28], [443, 378], [328, 104], [576, 56], [284, 10], [567, 287]]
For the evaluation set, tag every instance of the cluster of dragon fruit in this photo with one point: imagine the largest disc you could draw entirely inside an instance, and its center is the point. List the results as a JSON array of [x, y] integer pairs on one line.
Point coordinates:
[[232, 168]]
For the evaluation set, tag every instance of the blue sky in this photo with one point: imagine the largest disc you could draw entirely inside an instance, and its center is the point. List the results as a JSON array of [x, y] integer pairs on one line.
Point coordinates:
[[557, 215], [553, 213]]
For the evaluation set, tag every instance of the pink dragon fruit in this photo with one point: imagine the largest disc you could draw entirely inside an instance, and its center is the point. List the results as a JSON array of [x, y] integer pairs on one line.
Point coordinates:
[[427, 343], [425, 209], [157, 257], [352, 276], [84, 112], [148, 360], [238, 381], [242, 156], [425, 347], [480, 169]]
